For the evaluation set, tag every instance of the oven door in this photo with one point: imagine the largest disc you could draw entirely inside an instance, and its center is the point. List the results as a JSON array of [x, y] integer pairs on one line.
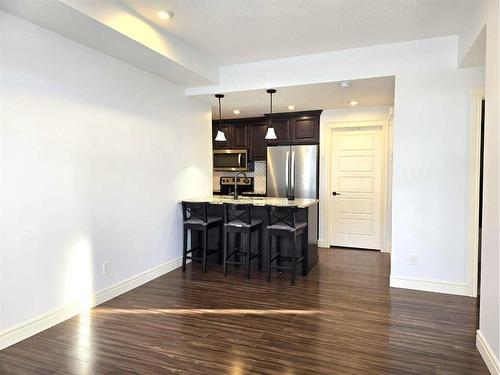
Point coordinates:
[[230, 160]]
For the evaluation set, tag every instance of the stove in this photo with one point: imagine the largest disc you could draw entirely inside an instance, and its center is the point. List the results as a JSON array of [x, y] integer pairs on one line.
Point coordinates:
[[244, 184]]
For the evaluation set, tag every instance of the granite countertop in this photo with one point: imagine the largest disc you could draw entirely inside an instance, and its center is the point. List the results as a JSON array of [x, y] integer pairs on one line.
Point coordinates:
[[256, 201]]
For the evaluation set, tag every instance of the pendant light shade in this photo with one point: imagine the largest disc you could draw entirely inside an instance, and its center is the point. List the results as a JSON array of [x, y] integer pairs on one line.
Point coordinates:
[[271, 134], [220, 137]]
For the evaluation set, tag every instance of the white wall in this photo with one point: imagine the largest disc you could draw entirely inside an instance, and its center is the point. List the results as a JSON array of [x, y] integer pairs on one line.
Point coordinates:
[[94, 157], [430, 177], [357, 63], [431, 140], [355, 114], [489, 320]]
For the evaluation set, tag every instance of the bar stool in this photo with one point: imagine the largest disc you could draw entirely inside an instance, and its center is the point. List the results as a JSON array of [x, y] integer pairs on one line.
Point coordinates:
[[238, 220], [196, 219], [282, 223]]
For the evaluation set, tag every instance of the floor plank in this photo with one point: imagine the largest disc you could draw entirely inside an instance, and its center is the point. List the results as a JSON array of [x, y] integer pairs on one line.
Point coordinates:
[[342, 319]]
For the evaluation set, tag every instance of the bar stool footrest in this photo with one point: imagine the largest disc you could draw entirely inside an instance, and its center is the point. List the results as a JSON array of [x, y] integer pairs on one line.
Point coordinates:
[[287, 259]]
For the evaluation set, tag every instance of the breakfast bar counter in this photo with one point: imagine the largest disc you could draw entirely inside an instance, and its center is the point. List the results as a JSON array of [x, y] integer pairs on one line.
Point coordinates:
[[257, 201], [307, 211]]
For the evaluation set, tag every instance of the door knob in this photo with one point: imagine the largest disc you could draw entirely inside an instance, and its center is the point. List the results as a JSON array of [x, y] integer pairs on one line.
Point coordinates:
[[335, 193]]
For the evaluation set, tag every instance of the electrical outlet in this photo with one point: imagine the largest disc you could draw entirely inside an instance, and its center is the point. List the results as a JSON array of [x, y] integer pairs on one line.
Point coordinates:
[[106, 268], [413, 260]]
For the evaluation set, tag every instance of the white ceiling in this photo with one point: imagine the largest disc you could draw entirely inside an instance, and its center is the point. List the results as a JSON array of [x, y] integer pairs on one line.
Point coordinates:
[[369, 92], [236, 31]]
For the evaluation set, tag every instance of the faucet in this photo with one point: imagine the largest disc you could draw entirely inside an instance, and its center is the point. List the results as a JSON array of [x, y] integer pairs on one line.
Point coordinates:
[[235, 194]]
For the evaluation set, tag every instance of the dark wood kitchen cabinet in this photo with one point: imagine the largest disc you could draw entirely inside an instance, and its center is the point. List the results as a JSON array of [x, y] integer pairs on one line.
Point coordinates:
[[236, 135], [296, 127], [239, 135], [305, 129], [249, 133], [282, 129], [258, 150]]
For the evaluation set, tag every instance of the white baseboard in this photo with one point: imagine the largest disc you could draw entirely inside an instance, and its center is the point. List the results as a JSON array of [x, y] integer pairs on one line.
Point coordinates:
[[430, 286], [486, 352], [386, 249], [323, 243], [24, 330]]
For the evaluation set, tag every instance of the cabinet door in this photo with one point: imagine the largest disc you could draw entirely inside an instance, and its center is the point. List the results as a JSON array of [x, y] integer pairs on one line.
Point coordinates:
[[282, 129], [305, 129], [227, 131], [258, 150], [240, 136]]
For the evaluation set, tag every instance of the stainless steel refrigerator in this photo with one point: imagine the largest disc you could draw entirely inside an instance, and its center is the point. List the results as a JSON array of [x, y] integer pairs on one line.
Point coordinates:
[[292, 172]]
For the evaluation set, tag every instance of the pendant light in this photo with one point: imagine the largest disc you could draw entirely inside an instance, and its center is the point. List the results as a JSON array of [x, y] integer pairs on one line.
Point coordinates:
[[271, 134], [220, 137]]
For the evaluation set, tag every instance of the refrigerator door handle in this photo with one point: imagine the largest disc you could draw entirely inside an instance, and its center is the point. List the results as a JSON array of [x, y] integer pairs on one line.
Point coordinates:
[[287, 178], [292, 176]]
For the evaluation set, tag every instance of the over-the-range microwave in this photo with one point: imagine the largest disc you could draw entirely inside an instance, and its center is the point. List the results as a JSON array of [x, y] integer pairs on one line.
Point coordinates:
[[230, 160]]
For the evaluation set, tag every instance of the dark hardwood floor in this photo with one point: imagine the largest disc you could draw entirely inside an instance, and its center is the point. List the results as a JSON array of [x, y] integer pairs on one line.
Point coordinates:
[[342, 319]]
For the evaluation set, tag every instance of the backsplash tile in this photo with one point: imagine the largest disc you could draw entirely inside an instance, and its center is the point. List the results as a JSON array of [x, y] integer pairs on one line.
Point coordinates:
[[259, 175]]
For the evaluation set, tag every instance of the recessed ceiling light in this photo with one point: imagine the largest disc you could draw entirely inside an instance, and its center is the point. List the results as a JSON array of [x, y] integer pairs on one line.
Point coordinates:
[[236, 112], [165, 15], [353, 103], [290, 107], [344, 84]]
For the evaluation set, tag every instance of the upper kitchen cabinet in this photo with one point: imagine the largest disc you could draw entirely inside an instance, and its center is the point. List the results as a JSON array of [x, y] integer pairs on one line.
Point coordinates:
[[282, 129], [305, 129], [258, 150], [236, 134], [239, 136], [296, 127], [249, 133], [227, 132]]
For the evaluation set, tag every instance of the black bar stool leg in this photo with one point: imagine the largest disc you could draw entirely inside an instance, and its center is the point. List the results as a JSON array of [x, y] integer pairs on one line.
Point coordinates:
[[270, 257], [294, 258], [224, 260], [259, 244], [184, 249], [220, 229], [248, 251], [205, 243], [237, 247], [278, 250], [305, 245]]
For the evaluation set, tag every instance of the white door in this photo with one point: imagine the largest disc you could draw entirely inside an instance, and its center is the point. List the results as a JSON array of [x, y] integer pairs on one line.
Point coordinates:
[[356, 188]]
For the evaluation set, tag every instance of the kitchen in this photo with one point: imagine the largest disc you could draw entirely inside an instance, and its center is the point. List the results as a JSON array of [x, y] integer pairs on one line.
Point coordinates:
[[271, 158], [270, 163]]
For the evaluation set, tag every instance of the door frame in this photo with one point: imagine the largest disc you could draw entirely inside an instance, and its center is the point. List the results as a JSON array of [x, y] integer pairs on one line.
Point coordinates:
[[386, 188], [477, 96]]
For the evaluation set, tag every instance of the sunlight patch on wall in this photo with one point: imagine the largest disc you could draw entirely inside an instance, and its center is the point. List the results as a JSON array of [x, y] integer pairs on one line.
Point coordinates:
[[79, 274]]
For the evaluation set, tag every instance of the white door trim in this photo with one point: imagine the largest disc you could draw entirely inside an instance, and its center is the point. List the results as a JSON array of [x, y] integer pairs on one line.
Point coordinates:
[[325, 177], [477, 96]]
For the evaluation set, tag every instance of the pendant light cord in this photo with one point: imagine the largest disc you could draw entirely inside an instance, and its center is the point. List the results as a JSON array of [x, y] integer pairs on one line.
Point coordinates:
[[220, 117], [271, 92], [271, 104], [271, 112]]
